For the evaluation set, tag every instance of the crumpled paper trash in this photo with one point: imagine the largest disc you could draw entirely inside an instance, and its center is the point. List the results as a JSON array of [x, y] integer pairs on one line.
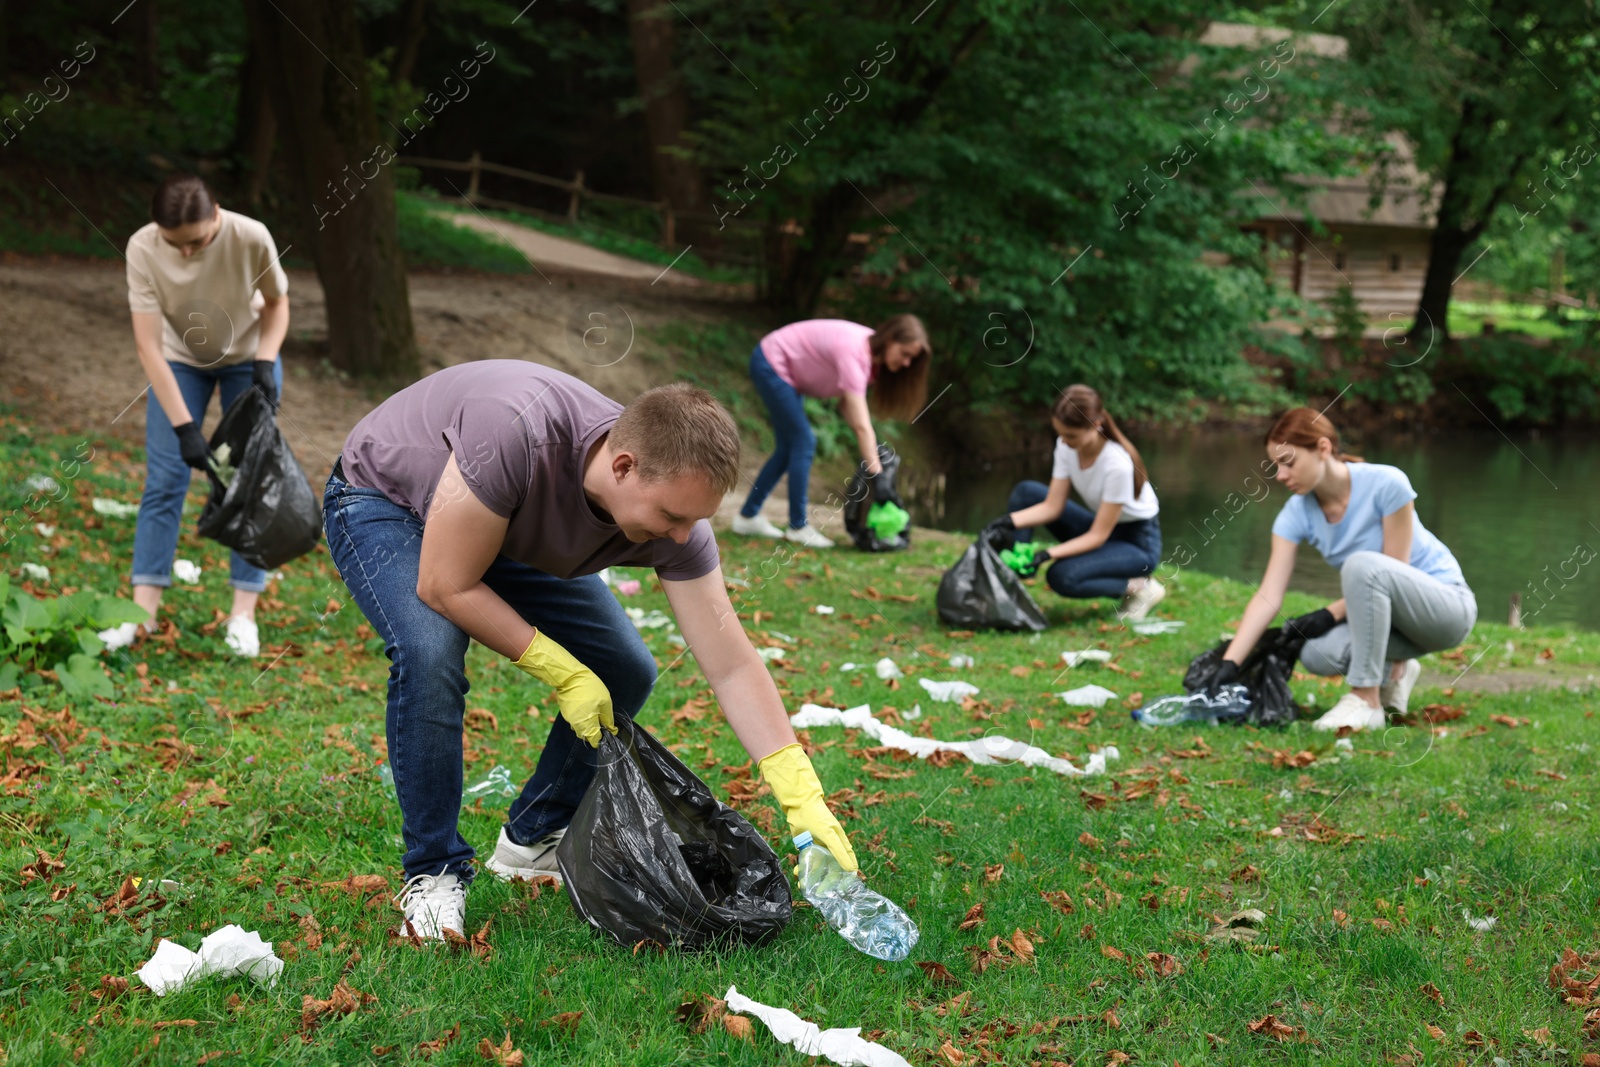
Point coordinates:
[[959, 661], [770, 654], [948, 692], [843, 1046], [37, 572], [823, 609], [226, 952], [114, 509], [1151, 627], [42, 483], [989, 751], [1088, 696], [888, 669], [652, 620], [1088, 655], [186, 570], [44, 529]]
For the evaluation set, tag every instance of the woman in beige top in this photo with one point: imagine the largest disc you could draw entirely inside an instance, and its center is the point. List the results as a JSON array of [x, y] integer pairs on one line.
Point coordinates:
[[210, 309]]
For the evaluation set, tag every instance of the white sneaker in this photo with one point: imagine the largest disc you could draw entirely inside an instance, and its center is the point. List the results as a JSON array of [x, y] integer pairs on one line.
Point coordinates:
[[433, 903], [511, 860], [1394, 693], [244, 637], [1353, 712], [756, 526], [808, 537], [1139, 604]]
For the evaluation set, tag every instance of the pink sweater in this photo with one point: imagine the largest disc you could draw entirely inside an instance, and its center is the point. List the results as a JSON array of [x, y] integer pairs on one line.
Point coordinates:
[[821, 357]]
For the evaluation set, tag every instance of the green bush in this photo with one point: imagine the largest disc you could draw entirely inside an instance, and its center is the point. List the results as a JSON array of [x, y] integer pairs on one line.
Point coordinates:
[[1527, 385], [59, 633]]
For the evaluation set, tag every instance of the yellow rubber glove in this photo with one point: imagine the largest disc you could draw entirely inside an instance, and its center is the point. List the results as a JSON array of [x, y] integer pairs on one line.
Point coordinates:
[[582, 697], [788, 771]]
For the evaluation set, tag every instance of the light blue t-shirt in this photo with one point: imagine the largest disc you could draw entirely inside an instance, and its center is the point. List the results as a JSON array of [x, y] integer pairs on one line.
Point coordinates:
[[1376, 490]]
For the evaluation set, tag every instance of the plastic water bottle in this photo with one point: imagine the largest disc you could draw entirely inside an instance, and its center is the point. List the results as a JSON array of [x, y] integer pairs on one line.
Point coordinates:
[[1231, 702], [870, 921]]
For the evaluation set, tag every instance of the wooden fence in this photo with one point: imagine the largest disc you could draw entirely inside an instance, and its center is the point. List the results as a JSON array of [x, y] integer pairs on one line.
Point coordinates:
[[750, 234]]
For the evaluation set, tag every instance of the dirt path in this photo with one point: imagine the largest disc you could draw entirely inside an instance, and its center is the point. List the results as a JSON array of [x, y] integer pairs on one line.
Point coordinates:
[[547, 252], [67, 359]]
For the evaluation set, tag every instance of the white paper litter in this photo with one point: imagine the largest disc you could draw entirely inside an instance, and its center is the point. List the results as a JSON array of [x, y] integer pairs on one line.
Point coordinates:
[[226, 952], [115, 509], [119, 636], [851, 666], [887, 669], [1345, 743], [770, 654], [1088, 696], [1483, 925], [1088, 655], [914, 714], [843, 1046], [42, 483], [186, 570], [37, 571], [780, 635], [1151, 627], [823, 609], [988, 751], [44, 529], [651, 620], [959, 661], [948, 692]]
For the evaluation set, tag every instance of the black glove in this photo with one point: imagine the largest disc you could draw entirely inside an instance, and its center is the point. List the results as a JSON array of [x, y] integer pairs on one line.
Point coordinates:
[[1041, 558], [1000, 534], [1312, 624], [882, 491], [264, 382], [1227, 673], [192, 445]]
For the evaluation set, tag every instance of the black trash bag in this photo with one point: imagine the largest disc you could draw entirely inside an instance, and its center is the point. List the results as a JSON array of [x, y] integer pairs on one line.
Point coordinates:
[[268, 513], [1264, 674], [652, 855], [858, 502], [981, 592]]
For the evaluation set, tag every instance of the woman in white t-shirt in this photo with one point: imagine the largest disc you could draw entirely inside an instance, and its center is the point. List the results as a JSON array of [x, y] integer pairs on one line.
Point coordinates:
[[210, 309], [1404, 594], [1109, 545]]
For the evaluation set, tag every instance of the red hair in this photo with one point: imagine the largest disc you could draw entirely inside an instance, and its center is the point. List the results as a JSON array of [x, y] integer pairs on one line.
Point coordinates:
[[1303, 428]]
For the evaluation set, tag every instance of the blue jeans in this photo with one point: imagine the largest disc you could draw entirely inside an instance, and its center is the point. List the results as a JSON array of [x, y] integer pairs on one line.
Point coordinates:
[[377, 545], [1132, 551], [155, 533], [795, 443]]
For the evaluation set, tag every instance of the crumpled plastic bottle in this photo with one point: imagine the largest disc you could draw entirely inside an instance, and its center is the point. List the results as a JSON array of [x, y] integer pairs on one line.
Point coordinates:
[[497, 783], [1231, 702], [870, 921]]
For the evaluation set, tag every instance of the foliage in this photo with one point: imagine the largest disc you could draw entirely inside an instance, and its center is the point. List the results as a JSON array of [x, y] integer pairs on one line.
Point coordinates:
[[58, 633], [430, 240], [1349, 322], [1541, 386]]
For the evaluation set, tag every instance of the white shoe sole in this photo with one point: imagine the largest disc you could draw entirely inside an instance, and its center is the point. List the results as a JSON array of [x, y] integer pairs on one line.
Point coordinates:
[[769, 530], [508, 871]]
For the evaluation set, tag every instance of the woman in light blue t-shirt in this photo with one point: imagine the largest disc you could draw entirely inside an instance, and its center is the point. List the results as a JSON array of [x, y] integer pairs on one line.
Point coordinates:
[[1404, 595]]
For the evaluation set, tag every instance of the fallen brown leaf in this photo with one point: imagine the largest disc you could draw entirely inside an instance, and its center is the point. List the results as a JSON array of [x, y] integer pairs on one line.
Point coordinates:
[[1165, 965], [973, 918], [1088, 840], [502, 1054], [1434, 1032], [952, 1055], [1240, 926], [993, 872], [45, 867], [1508, 721], [1022, 946], [937, 972], [342, 1001], [1112, 953], [701, 1013], [440, 1043], [1431, 991], [738, 1026], [566, 1022], [1272, 1026], [1059, 900]]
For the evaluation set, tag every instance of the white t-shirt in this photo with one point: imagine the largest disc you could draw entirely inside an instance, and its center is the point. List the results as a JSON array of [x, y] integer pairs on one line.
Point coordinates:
[[210, 303], [1108, 480]]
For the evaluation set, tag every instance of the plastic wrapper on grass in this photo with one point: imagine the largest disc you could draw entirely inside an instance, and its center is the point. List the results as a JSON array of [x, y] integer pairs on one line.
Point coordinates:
[[980, 592], [1264, 674], [268, 512], [652, 855]]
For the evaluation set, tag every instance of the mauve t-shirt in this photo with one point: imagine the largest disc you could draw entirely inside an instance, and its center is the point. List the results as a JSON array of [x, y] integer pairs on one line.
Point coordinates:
[[520, 433]]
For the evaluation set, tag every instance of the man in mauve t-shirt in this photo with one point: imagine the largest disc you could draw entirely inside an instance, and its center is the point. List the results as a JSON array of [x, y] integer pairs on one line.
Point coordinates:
[[480, 503]]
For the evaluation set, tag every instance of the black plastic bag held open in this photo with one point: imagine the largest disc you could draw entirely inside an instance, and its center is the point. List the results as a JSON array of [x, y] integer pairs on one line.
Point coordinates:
[[858, 504], [1264, 673], [268, 513], [981, 592], [652, 855]]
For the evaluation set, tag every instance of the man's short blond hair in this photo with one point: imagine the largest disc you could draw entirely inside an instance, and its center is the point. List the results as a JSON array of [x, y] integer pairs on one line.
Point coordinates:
[[679, 429]]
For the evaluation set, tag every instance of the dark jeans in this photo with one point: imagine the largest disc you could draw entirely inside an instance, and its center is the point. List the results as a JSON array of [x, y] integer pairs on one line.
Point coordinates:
[[155, 532], [795, 443], [377, 545], [1132, 551]]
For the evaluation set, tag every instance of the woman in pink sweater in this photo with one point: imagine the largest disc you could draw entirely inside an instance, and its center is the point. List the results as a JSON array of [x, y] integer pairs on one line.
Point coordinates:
[[830, 358]]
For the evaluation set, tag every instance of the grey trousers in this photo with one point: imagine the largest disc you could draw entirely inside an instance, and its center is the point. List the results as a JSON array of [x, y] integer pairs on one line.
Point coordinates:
[[1394, 612]]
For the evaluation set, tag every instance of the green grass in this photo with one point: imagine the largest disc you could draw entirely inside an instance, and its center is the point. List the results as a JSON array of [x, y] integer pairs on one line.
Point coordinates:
[[1467, 319], [430, 241], [292, 746]]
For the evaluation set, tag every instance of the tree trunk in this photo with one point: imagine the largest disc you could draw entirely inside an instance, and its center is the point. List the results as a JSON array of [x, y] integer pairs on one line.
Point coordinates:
[[255, 127], [411, 33], [147, 52], [340, 177], [797, 284], [675, 176]]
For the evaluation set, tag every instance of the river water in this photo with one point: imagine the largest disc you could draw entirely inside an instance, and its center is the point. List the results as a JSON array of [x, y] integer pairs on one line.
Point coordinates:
[[1522, 515]]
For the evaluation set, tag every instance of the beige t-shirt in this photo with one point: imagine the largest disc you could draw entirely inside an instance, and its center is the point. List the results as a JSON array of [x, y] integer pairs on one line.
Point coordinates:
[[211, 302]]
